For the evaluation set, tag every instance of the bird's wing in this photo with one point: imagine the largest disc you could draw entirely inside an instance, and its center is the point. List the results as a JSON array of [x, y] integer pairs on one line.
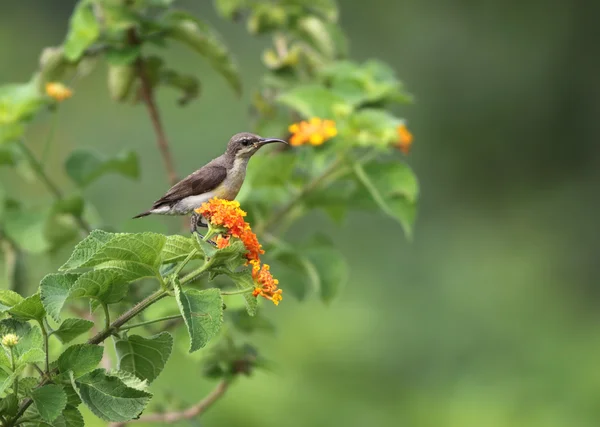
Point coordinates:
[[202, 181]]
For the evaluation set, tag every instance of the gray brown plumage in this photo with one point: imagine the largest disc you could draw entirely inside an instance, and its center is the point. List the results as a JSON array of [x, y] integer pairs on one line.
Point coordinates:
[[221, 177]]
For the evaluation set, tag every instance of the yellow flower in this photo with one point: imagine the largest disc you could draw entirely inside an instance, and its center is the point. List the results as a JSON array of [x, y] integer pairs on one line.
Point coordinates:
[[315, 131], [405, 139], [10, 340], [266, 285], [58, 91]]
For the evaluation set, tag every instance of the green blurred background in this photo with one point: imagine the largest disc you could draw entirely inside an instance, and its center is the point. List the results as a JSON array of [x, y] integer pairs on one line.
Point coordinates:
[[489, 317]]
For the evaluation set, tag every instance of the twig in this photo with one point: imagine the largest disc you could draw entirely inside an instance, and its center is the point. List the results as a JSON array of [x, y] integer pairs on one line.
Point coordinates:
[[147, 93], [187, 414], [149, 322]]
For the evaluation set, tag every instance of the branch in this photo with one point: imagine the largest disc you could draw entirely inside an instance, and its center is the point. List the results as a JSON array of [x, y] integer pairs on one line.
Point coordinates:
[[187, 414], [147, 93]]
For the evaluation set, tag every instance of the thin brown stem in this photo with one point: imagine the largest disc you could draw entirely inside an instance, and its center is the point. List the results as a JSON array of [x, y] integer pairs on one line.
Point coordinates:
[[147, 93], [187, 414]]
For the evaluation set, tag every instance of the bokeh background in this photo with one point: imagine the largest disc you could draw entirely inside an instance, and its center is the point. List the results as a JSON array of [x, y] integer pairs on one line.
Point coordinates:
[[490, 316]]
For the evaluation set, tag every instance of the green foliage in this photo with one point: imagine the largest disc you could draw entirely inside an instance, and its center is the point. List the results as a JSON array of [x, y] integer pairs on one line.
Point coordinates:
[[50, 400], [342, 160], [108, 397], [144, 357], [84, 166], [202, 312]]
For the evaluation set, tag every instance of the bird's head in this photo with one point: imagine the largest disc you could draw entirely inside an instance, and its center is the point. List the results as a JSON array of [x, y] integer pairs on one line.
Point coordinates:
[[244, 145]]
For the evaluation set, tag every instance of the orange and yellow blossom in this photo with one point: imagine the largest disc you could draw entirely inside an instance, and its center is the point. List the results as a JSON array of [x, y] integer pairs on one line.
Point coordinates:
[[58, 91], [315, 131], [227, 214], [266, 284], [405, 139]]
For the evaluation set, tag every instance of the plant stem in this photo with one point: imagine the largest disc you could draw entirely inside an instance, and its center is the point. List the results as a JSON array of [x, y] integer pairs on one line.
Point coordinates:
[[14, 367], [149, 322], [52, 187], [186, 414], [194, 274], [184, 262], [46, 350], [147, 93], [241, 291]]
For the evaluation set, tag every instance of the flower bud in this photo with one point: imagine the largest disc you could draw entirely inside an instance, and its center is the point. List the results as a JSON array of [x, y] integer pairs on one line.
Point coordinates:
[[120, 79], [10, 340]]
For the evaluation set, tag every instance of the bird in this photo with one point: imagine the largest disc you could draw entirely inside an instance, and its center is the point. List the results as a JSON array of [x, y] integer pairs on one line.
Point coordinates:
[[222, 177]]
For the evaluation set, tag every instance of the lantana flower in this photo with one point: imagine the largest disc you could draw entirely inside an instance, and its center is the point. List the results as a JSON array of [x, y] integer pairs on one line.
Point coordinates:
[[228, 214], [58, 91], [10, 340], [315, 131], [405, 139]]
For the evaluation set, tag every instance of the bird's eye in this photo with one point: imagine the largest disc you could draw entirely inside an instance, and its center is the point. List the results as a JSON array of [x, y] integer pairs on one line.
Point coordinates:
[[246, 141]]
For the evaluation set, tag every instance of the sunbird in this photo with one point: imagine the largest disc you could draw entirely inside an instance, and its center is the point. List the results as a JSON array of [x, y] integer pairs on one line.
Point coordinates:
[[221, 177]]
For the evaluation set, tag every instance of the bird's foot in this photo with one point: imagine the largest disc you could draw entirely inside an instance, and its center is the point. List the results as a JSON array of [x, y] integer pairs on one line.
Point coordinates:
[[195, 222]]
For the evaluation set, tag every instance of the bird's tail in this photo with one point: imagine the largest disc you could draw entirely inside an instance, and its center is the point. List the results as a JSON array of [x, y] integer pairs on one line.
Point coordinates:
[[142, 214]]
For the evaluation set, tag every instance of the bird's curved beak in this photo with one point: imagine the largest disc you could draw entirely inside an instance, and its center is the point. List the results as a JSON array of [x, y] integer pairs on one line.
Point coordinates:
[[265, 141]]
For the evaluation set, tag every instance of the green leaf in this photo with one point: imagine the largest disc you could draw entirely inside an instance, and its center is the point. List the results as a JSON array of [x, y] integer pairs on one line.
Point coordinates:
[[10, 132], [85, 166], [330, 266], [202, 312], [130, 380], [27, 228], [109, 398], [106, 285], [18, 103], [9, 405], [244, 280], [371, 127], [327, 9], [80, 359], [231, 257], [204, 40], [72, 417], [177, 248], [32, 339], [33, 355], [30, 308], [86, 249], [188, 84], [50, 400], [6, 381], [84, 30], [123, 55], [54, 291], [8, 298], [27, 384], [144, 357], [71, 329], [295, 273], [120, 81], [392, 187], [314, 101]]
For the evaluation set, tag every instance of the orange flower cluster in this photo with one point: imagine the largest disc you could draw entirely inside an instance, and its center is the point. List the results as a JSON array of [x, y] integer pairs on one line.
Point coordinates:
[[58, 91], [227, 214], [405, 139], [315, 131], [268, 285]]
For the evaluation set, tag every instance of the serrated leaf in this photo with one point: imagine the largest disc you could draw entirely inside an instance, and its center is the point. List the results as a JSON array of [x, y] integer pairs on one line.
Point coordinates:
[[314, 101], [27, 384], [31, 339], [9, 405], [54, 291], [177, 248], [30, 308], [109, 398], [86, 249], [393, 187], [71, 418], [6, 381], [106, 285], [83, 31], [33, 355], [130, 380], [202, 312], [204, 39], [70, 329], [80, 359], [85, 166], [50, 400], [8, 298], [144, 357], [231, 257]]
